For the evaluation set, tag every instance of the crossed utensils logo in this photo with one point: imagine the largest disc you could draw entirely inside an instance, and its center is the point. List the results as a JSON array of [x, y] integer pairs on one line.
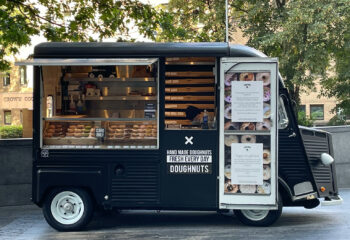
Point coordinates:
[[189, 140]]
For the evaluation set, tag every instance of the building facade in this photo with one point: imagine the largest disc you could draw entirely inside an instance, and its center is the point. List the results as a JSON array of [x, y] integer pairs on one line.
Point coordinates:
[[16, 97]]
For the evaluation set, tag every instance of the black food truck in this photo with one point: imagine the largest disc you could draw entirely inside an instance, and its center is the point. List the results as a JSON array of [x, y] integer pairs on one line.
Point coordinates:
[[170, 126]]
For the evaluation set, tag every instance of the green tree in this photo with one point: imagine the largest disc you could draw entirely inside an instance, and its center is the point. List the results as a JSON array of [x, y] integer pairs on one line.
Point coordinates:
[[75, 20], [306, 35]]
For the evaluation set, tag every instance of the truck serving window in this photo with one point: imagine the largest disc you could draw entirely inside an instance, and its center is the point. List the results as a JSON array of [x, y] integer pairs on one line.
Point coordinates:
[[100, 106], [190, 93]]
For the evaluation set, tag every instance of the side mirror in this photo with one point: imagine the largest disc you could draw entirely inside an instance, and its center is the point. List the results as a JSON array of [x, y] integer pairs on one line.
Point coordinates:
[[326, 159]]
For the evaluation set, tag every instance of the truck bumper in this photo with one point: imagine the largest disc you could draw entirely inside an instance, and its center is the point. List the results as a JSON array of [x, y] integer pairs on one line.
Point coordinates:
[[336, 200]]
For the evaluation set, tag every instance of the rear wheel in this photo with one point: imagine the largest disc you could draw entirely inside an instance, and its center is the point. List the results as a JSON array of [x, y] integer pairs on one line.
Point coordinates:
[[259, 217], [68, 209]]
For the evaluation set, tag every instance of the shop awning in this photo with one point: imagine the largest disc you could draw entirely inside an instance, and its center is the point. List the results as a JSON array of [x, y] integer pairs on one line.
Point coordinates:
[[86, 61]]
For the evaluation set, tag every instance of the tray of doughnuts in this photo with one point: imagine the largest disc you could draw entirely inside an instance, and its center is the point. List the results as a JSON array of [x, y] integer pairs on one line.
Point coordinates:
[[80, 130], [134, 130], [55, 130]]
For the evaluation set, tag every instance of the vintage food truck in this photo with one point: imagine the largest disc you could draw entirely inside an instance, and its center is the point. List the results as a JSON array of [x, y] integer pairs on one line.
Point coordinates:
[[170, 126]]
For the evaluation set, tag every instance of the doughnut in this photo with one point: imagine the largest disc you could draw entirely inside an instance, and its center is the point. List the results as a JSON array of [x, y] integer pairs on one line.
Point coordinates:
[[73, 126], [248, 139], [135, 130], [246, 77], [51, 126], [86, 135], [122, 126], [134, 135], [70, 130], [149, 126], [229, 77], [114, 126], [119, 135], [154, 134], [136, 126], [265, 77], [50, 130], [228, 96], [78, 130], [80, 126], [247, 188], [263, 126], [148, 130], [154, 130], [86, 130], [119, 130], [228, 171], [231, 126], [57, 130], [228, 111], [266, 172], [231, 188], [230, 139], [265, 188], [267, 110], [247, 126], [148, 135], [266, 156], [127, 130], [267, 94], [48, 135], [142, 126], [141, 135]]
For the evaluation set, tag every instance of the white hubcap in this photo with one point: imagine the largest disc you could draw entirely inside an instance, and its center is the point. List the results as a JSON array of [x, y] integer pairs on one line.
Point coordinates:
[[67, 207], [255, 215]]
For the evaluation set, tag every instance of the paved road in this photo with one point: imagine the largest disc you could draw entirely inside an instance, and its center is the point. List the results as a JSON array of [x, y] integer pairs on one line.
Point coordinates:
[[27, 222]]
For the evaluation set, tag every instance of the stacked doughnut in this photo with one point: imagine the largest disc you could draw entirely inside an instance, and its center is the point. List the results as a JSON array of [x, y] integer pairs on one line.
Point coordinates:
[[80, 130], [132, 131], [55, 130]]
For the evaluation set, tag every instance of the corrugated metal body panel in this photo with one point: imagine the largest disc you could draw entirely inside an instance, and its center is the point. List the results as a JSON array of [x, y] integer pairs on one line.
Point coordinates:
[[293, 166], [316, 143], [139, 185]]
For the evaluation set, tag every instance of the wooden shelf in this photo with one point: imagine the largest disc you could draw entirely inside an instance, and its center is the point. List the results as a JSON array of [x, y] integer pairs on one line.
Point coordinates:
[[87, 79], [121, 98], [184, 106], [189, 89], [190, 98], [189, 81], [189, 74]]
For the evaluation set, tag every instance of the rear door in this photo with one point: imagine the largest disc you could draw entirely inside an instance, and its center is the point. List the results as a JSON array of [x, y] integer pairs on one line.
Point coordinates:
[[248, 133]]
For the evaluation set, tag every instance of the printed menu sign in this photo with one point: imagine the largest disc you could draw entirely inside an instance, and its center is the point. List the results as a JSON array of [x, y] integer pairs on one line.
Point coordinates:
[[247, 101], [247, 163]]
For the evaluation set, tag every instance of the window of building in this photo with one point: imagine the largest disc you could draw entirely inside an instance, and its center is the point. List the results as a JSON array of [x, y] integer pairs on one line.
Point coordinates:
[[302, 108], [7, 117], [6, 79], [317, 112], [23, 75]]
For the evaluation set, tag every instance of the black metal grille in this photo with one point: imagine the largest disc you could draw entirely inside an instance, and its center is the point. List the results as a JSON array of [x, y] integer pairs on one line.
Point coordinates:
[[139, 184]]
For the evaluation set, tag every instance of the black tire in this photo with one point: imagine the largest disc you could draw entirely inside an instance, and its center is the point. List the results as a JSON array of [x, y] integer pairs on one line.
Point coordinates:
[[83, 217], [271, 217]]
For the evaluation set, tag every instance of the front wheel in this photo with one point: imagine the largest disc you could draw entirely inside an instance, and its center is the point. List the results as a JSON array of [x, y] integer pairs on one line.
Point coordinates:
[[68, 209], [259, 217]]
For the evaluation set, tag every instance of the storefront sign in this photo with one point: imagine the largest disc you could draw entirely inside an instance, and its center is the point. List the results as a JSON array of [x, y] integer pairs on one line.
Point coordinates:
[[16, 100], [189, 168], [247, 101], [189, 161], [247, 163]]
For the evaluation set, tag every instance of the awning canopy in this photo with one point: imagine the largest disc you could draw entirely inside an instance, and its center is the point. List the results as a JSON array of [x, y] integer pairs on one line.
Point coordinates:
[[86, 61]]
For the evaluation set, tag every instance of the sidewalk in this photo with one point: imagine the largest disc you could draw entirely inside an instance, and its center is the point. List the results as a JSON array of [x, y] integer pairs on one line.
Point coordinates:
[[333, 222]]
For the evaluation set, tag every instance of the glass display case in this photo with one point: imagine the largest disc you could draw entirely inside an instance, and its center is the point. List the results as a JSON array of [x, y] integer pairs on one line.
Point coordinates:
[[100, 107]]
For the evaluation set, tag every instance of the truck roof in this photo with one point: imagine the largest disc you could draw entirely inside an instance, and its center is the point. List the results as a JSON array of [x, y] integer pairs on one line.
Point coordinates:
[[142, 49]]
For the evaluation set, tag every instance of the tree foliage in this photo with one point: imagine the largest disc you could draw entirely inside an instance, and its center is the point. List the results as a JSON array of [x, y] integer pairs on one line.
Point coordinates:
[[75, 20], [310, 37]]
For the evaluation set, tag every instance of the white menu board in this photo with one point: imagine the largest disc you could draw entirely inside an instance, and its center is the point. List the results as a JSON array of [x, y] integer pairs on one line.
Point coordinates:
[[247, 163], [247, 101]]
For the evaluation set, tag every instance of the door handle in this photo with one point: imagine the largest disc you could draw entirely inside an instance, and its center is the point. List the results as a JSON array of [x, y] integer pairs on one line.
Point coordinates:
[[292, 135]]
